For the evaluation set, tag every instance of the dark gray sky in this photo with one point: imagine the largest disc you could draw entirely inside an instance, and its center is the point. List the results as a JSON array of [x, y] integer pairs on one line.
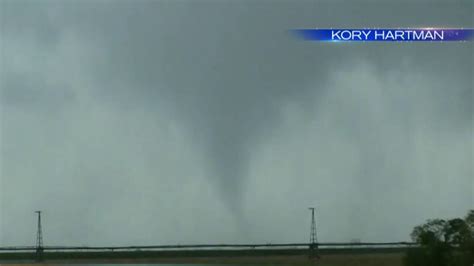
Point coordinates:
[[162, 122]]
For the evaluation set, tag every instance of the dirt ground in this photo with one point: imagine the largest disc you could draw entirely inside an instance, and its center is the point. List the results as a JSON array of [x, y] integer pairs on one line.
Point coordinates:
[[327, 260]]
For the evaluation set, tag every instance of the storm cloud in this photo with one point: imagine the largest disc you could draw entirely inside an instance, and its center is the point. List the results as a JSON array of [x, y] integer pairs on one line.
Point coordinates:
[[176, 122]]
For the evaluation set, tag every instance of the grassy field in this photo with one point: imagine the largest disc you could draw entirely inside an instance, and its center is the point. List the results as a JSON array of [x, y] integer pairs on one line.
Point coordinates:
[[329, 257]]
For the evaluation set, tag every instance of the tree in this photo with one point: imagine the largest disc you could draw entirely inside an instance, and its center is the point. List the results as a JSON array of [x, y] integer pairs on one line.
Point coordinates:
[[469, 247], [443, 243], [470, 220], [457, 232], [430, 232]]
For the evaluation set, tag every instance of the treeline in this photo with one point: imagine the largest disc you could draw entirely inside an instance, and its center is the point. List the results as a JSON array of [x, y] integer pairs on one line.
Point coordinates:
[[443, 243]]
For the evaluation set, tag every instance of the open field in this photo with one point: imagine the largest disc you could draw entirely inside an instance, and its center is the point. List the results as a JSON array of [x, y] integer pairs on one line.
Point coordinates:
[[329, 257]]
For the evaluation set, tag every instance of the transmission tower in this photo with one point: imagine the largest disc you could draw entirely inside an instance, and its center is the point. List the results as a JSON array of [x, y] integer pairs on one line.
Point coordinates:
[[313, 237], [39, 239]]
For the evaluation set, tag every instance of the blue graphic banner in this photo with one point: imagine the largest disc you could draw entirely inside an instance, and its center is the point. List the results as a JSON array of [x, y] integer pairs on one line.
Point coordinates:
[[386, 35]]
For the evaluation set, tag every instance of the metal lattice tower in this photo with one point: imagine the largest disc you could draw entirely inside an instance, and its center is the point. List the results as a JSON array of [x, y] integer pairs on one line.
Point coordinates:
[[313, 237], [39, 239]]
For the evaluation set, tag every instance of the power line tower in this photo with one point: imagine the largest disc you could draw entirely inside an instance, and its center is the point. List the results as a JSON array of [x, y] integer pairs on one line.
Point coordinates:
[[313, 237], [39, 239]]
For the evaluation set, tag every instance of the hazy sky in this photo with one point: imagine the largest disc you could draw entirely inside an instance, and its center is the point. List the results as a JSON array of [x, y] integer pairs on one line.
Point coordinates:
[[163, 122]]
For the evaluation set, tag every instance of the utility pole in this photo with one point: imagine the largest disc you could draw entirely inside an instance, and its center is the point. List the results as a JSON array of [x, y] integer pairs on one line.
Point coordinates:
[[313, 237], [39, 239]]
